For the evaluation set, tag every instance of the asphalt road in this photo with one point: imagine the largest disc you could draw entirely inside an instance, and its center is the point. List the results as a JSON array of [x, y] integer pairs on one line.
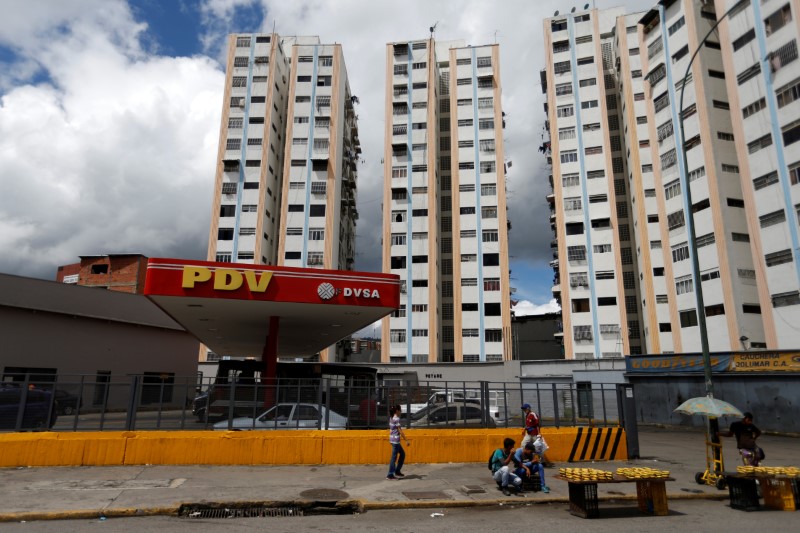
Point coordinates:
[[686, 515]]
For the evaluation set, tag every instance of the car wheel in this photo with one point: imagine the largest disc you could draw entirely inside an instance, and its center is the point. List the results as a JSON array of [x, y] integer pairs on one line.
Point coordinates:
[[68, 410]]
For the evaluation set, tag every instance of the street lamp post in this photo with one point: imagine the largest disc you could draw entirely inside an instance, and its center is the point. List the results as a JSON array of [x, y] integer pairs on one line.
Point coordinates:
[[713, 425], [698, 288]]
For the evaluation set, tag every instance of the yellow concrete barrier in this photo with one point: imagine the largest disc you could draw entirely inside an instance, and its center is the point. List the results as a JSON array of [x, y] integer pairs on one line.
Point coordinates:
[[293, 447]]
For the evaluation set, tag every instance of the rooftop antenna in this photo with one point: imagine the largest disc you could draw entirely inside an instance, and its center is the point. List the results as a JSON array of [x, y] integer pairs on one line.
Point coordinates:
[[495, 36], [433, 29]]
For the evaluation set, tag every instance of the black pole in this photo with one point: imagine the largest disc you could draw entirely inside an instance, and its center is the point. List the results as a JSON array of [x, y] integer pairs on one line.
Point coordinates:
[[698, 288], [713, 425]]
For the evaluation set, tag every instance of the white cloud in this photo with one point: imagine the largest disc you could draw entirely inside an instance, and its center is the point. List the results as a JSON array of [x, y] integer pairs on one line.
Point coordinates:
[[107, 147], [114, 153], [526, 308]]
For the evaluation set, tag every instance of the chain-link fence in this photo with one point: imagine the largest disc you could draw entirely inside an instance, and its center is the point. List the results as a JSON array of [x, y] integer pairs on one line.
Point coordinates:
[[165, 402]]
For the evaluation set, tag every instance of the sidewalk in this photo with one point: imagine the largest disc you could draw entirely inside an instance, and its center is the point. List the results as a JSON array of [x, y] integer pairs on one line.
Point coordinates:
[[82, 492]]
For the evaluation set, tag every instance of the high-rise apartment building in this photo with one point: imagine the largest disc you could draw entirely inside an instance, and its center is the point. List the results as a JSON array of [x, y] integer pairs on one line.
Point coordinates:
[[597, 278], [759, 51], [249, 178], [445, 227], [671, 32], [287, 162], [739, 130], [318, 213]]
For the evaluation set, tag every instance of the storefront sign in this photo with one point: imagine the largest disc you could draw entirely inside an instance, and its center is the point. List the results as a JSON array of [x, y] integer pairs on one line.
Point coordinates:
[[766, 362], [675, 363]]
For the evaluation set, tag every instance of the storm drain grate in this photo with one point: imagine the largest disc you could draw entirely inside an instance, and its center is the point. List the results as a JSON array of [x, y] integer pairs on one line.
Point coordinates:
[[244, 512]]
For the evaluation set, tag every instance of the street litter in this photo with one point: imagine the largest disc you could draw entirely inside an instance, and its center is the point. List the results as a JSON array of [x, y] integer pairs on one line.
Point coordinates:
[[434, 515]]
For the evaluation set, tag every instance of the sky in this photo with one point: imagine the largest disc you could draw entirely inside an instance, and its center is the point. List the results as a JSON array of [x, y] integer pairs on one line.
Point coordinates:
[[110, 110]]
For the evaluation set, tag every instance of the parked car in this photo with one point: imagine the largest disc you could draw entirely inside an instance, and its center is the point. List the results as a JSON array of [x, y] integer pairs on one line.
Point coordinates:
[[463, 414], [66, 403], [37, 407], [288, 416]]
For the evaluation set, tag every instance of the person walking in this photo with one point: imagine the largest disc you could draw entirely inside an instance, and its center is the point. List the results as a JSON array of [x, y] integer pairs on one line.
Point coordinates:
[[531, 429], [395, 435]]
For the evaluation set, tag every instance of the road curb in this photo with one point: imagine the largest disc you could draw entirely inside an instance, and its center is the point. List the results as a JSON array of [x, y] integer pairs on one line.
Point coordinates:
[[83, 514], [361, 505]]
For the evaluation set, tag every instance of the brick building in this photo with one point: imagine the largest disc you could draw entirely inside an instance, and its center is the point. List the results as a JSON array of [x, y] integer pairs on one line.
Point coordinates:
[[115, 272]]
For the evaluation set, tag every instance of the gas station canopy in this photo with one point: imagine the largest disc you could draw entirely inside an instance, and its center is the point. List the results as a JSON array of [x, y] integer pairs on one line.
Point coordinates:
[[231, 307]]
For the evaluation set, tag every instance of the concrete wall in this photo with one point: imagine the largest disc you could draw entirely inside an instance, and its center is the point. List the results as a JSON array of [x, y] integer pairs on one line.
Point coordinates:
[[76, 345], [772, 398], [290, 447]]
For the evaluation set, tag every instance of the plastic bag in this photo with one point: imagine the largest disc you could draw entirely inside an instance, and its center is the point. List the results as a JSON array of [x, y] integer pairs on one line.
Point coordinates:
[[540, 445]]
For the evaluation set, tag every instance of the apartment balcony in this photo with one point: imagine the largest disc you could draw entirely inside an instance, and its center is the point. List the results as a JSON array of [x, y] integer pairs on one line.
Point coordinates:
[[551, 199], [554, 263], [556, 289], [543, 79], [554, 244]]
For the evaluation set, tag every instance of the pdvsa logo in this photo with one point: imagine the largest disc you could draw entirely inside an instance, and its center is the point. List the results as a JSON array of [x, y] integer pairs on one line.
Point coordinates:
[[225, 279], [326, 291]]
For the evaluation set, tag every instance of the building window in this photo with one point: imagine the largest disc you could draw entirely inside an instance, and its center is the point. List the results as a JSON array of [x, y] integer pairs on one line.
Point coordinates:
[[705, 240], [684, 285], [560, 67], [786, 299], [787, 94], [675, 220], [758, 144], [757, 106], [582, 333], [576, 254], [697, 174], [572, 203], [778, 258], [778, 19], [490, 235], [676, 26], [766, 180], [680, 252], [601, 248], [688, 318], [771, 219], [565, 111], [570, 156]]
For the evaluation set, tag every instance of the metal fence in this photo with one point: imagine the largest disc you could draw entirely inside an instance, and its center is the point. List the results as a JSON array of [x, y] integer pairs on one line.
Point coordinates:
[[166, 402]]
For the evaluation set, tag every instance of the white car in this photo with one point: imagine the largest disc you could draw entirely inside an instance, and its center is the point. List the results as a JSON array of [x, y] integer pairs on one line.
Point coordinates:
[[287, 416]]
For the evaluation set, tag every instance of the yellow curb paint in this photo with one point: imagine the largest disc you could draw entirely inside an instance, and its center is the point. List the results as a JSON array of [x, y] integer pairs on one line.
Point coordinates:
[[114, 448]]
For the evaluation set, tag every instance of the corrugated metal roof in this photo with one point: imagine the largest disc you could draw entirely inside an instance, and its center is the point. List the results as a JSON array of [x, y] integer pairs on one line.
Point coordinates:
[[68, 299]]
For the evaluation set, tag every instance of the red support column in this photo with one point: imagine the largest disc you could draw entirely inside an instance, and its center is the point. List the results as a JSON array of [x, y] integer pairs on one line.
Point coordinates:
[[270, 358]]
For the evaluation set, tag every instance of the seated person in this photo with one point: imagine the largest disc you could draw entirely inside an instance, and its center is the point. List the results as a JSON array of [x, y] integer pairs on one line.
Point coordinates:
[[502, 473], [530, 462]]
